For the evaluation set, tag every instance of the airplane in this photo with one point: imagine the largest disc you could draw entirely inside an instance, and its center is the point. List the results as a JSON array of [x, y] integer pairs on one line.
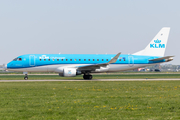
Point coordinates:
[[71, 65]]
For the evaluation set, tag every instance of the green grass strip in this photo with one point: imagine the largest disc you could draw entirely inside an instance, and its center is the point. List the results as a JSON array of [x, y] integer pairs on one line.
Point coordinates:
[[90, 100]]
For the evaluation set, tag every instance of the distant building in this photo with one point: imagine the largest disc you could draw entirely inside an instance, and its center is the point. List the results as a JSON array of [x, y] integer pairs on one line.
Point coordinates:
[[141, 69]]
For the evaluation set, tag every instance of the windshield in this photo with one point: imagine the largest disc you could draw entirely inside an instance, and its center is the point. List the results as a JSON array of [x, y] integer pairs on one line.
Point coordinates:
[[17, 59]]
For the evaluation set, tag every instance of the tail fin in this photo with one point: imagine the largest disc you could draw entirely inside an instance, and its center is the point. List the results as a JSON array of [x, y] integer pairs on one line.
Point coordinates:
[[158, 44]]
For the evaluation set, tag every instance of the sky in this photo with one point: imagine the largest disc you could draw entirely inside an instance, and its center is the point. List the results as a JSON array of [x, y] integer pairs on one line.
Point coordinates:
[[86, 27]]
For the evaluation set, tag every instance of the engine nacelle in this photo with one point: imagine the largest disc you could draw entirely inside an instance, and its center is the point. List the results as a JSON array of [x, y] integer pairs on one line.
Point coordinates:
[[69, 72]]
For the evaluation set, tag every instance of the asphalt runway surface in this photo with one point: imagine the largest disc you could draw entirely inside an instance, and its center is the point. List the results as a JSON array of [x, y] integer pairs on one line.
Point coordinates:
[[90, 80], [107, 73]]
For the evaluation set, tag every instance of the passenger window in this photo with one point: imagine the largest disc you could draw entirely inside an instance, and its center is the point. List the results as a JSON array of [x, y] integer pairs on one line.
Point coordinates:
[[70, 59], [53, 59], [40, 59], [79, 59], [74, 59], [61, 59], [93, 59], [84, 59], [44, 59], [88, 59], [124, 58], [66, 59], [48, 59], [102, 59], [106, 59], [119, 59], [57, 59]]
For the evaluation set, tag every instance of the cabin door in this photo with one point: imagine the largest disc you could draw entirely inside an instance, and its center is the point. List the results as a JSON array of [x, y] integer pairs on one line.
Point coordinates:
[[32, 60], [131, 61]]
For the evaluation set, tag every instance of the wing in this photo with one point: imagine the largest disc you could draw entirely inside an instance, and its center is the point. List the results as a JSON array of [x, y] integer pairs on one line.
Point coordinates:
[[97, 66]]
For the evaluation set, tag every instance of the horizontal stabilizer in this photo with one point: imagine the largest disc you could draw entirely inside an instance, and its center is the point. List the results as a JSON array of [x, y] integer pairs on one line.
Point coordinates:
[[167, 58]]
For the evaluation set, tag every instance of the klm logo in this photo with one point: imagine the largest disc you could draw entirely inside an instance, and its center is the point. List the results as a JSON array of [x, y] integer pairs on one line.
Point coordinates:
[[157, 44], [69, 72], [44, 57]]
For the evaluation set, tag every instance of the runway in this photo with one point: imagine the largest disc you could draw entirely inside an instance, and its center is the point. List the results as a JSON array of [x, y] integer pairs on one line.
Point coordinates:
[[91, 80]]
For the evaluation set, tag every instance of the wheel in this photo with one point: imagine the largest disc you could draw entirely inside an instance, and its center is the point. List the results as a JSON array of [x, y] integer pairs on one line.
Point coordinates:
[[26, 77], [90, 77], [84, 76], [87, 77]]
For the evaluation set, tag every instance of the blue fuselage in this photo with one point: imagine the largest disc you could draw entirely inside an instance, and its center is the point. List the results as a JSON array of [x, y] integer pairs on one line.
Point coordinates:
[[38, 60]]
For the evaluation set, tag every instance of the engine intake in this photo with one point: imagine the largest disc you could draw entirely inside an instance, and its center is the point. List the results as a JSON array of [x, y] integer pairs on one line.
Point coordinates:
[[69, 72]]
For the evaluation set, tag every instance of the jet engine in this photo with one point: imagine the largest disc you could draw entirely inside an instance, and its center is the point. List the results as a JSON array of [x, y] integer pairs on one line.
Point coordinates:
[[69, 72]]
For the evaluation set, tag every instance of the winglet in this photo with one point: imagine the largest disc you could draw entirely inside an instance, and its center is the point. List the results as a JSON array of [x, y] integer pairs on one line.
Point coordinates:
[[114, 58]]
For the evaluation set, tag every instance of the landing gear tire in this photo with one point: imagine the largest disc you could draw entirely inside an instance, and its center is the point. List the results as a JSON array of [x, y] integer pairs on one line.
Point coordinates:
[[26, 77], [87, 77]]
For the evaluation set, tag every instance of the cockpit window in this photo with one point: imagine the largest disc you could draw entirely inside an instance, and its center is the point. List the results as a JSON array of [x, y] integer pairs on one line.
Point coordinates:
[[15, 59]]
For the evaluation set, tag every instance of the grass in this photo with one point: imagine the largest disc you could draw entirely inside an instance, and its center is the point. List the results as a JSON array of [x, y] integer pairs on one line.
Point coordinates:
[[110, 76], [90, 100]]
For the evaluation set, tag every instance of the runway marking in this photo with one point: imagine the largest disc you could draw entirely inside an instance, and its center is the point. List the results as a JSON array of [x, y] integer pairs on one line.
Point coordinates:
[[90, 80]]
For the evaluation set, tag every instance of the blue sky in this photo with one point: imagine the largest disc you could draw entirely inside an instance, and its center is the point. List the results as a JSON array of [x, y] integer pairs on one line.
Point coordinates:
[[85, 27]]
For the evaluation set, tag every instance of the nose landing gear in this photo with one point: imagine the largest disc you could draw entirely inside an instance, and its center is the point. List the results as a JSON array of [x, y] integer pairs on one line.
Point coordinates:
[[26, 77]]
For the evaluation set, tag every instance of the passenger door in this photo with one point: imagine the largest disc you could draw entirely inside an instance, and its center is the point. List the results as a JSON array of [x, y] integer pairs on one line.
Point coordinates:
[[131, 61], [31, 60]]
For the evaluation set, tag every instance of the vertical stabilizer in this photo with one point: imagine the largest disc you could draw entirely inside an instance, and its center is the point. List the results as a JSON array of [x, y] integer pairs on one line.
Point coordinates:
[[158, 44]]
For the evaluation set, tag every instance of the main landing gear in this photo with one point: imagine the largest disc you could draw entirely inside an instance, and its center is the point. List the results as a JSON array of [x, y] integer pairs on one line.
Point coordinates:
[[87, 77]]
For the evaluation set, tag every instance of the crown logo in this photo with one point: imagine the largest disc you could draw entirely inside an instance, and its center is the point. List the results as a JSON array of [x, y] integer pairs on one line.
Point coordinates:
[[157, 41]]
